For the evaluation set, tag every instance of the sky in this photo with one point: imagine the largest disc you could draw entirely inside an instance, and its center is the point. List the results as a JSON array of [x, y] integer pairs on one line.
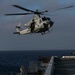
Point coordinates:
[[62, 36]]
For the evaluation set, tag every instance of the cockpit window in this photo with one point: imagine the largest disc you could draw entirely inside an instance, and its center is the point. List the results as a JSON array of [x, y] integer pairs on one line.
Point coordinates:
[[48, 18]]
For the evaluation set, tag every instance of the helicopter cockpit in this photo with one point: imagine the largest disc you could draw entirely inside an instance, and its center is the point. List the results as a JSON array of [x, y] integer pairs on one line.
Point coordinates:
[[45, 18]]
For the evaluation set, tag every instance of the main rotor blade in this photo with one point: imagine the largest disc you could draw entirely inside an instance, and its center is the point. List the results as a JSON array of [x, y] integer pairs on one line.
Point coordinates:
[[44, 11], [19, 14], [22, 8], [66, 7]]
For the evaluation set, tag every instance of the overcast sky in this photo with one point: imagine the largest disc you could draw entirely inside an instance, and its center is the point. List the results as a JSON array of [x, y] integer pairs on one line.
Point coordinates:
[[63, 34]]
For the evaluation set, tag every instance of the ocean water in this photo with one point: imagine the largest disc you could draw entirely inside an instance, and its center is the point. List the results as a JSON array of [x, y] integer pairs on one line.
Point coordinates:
[[10, 61]]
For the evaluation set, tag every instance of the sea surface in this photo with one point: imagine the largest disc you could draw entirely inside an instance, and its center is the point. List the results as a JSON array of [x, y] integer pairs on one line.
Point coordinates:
[[10, 61]]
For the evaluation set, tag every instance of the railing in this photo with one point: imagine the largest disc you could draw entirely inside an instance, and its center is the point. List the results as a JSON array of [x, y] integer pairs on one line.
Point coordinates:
[[50, 67]]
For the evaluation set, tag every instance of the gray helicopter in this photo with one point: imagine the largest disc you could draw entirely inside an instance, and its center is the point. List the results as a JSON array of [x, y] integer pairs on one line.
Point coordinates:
[[37, 24]]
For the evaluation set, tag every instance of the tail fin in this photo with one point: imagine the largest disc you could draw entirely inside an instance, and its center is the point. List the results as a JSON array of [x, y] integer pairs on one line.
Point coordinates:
[[18, 29]]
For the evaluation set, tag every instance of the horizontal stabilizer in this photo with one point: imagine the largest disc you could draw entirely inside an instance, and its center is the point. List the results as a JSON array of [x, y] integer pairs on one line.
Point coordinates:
[[16, 33]]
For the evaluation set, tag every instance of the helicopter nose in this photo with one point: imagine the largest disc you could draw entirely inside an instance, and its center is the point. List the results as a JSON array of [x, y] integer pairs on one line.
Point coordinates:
[[51, 23]]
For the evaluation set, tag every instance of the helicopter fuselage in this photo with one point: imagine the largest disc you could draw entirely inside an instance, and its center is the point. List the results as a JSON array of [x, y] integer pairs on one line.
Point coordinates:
[[37, 25]]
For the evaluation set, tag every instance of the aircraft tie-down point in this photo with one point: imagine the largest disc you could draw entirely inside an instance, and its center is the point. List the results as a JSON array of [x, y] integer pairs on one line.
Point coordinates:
[[37, 24]]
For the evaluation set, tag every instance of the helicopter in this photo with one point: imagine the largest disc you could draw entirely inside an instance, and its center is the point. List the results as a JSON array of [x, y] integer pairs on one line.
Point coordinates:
[[37, 24]]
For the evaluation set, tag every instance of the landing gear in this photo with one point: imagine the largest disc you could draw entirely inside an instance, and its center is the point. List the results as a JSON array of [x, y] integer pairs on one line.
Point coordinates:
[[43, 33]]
